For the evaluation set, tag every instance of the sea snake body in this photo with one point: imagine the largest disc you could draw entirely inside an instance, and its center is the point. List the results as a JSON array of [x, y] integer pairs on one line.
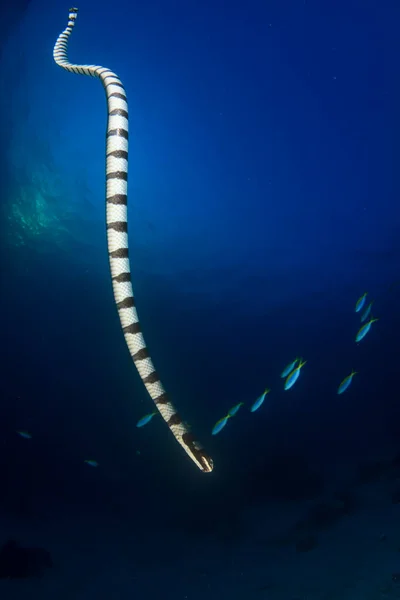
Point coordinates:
[[117, 241]]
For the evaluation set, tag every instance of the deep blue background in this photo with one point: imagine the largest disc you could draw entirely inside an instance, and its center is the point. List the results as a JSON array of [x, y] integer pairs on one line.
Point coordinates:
[[264, 200]]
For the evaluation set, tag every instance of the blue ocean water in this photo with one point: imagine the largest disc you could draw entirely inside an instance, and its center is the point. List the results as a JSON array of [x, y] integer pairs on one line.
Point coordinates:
[[263, 202]]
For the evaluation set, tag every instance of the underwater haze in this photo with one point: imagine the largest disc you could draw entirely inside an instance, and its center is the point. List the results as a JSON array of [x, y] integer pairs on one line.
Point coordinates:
[[264, 228]]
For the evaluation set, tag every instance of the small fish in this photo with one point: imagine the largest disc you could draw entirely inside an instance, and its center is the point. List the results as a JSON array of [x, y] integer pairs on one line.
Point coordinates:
[[346, 382], [289, 368], [91, 463], [220, 424], [360, 302], [146, 419], [259, 400], [233, 411], [25, 435], [366, 312], [294, 375], [364, 330]]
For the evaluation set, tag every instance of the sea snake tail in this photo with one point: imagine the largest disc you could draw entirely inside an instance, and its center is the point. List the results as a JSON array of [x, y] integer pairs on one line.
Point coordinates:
[[117, 240]]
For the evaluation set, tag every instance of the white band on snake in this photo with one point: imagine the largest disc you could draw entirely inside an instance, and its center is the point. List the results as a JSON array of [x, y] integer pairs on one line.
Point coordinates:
[[117, 240]]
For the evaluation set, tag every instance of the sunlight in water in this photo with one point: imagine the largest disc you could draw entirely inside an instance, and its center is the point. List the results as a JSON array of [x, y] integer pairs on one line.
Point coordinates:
[[37, 212]]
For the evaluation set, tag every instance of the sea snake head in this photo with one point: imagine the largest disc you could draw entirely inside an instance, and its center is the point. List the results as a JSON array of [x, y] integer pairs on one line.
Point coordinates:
[[196, 452]]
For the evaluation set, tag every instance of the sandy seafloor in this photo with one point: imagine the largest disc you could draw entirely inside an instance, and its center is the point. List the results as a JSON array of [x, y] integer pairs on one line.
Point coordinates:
[[96, 558]]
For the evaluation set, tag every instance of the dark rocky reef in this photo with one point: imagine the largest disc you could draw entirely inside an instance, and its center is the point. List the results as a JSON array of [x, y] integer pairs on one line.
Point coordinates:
[[17, 562]]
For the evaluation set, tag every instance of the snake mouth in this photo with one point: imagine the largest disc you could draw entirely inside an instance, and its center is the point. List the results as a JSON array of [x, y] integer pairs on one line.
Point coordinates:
[[196, 452], [208, 464]]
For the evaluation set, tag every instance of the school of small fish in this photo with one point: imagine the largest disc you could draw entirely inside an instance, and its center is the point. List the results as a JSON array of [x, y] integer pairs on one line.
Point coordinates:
[[290, 374]]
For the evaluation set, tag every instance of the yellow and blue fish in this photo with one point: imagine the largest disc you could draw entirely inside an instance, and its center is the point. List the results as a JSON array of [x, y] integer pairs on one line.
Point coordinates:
[[366, 312], [256, 405], [289, 368], [146, 419], [24, 434], [364, 330], [91, 462], [234, 410], [294, 375], [360, 302], [219, 425], [346, 382]]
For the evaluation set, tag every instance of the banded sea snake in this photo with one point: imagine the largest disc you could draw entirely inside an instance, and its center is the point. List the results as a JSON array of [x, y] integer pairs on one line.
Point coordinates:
[[117, 241]]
